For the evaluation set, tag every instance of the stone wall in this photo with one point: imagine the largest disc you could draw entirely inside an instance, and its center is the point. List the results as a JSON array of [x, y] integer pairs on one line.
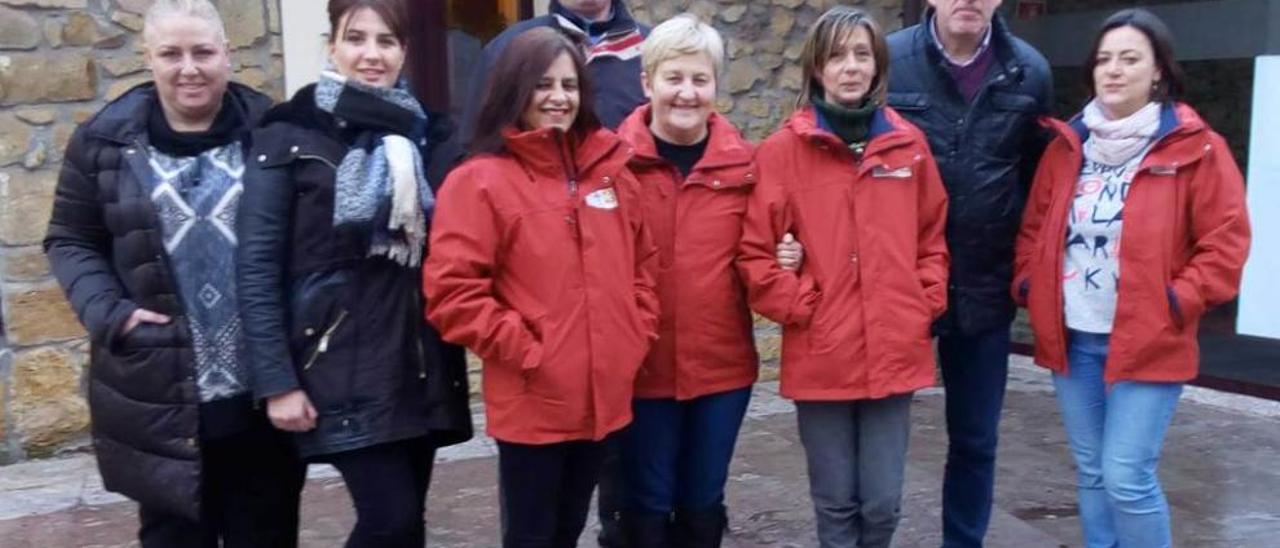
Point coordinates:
[[61, 61], [764, 40]]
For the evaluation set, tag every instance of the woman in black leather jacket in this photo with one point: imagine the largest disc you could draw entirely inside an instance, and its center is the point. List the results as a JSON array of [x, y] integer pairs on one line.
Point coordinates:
[[337, 202]]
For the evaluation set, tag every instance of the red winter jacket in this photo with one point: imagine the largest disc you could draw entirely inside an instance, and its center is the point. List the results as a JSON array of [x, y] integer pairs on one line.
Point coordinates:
[[541, 265], [856, 317], [705, 337], [1182, 248]]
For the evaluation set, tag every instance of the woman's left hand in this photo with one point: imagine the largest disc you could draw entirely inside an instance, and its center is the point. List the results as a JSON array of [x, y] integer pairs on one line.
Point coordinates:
[[790, 253]]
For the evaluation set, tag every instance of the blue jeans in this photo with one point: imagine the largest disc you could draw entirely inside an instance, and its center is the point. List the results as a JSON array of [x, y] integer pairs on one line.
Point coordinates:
[[676, 453], [1116, 433], [974, 371]]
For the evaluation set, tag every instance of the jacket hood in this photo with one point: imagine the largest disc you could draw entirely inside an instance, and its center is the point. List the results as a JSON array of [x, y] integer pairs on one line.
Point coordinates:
[[125, 118], [725, 145]]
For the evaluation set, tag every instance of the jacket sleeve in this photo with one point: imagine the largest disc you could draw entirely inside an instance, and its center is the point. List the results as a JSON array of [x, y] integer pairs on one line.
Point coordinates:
[[458, 278], [646, 282], [1037, 137], [1028, 234], [78, 246], [266, 211], [1220, 233], [786, 297], [933, 262]]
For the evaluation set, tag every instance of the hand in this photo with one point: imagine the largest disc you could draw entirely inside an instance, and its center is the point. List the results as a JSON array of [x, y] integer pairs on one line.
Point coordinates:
[[291, 411], [143, 315], [790, 253]]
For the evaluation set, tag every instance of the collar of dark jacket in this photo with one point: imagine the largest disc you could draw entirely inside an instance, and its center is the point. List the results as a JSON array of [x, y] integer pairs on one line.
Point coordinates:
[[1001, 40], [619, 19], [124, 120]]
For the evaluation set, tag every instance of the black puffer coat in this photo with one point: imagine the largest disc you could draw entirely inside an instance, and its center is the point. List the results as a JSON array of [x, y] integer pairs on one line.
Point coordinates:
[[322, 316], [105, 247], [987, 153]]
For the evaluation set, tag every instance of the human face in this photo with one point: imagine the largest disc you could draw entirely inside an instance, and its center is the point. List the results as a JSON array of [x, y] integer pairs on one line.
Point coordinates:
[[849, 70], [555, 99], [365, 49], [1125, 73], [189, 62], [682, 92], [591, 10], [963, 19]]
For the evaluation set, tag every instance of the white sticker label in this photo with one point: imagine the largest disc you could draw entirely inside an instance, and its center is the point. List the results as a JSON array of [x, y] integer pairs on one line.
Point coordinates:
[[884, 172], [603, 199]]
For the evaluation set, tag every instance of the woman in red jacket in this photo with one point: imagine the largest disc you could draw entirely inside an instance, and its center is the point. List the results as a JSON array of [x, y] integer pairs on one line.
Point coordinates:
[[540, 265], [1136, 225], [856, 184], [695, 173]]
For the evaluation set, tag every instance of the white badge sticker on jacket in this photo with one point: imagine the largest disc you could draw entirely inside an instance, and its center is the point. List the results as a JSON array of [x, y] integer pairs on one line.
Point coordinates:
[[886, 173], [603, 199]]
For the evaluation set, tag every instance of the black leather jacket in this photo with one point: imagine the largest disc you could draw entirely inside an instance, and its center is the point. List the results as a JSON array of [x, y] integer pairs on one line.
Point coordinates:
[[322, 316], [987, 153]]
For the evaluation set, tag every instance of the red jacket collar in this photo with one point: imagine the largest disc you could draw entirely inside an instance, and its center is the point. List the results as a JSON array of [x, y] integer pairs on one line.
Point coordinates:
[[726, 147], [1181, 145], [804, 123], [555, 153]]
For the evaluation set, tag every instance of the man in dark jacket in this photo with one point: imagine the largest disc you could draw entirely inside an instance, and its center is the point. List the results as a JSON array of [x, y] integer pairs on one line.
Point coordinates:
[[611, 40], [976, 91]]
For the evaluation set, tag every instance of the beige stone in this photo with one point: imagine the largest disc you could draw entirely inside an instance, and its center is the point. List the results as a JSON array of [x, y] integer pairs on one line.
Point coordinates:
[[119, 87], [724, 105], [38, 314], [733, 14], [46, 78], [26, 198], [781, 23], [18, 30], [61, 136], [247, 59], [37, 116], [47, 3], [792, 78], [124, 65], [273, 16], [704, 9], [15, 137], [128, 20], [246, 21], [36, 155], [134, 6], [743, 75], [48, 407], [53, 32], [757, 107], [25, 264], [83, 30], [788, 3], [794, 51]]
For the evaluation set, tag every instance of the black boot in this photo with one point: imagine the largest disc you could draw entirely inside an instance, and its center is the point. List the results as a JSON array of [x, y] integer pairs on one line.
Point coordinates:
[[699, 528], [647, 530]]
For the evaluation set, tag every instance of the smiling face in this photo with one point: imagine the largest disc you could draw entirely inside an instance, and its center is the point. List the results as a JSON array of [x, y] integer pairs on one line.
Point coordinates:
[[1125, 72], [963, 18], [366, 50], [849, 70], [682, 92], [554, 103], [188, 60]]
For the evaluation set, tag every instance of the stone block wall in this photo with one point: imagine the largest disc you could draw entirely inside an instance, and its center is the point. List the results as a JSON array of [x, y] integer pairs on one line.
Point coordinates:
[[764, 40], [60, 62]]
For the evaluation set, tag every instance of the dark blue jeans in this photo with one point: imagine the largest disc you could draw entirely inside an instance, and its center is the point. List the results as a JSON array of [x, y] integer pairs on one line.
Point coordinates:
[[676, 453], [974, 371]]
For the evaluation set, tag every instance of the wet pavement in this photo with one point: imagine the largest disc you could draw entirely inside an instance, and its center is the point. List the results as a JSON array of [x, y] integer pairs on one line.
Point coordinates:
[[1221, 471]]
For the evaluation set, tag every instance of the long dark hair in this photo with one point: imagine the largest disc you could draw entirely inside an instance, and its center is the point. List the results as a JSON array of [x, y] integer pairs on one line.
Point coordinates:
[[514, 80], [1170, 87]]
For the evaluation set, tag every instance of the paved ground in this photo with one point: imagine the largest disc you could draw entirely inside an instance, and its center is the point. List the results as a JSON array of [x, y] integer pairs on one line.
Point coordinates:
[[1220, 470]]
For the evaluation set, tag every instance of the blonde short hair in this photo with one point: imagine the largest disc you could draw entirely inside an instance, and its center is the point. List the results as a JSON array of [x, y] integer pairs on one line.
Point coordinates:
[[681, 35], [200, 9]]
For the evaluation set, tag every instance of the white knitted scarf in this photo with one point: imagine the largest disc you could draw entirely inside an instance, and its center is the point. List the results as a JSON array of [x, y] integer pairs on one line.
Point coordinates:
[[1115, 142]]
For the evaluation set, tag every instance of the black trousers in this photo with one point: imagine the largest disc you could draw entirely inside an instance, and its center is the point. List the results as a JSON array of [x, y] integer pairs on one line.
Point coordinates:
[[388, 485], [250, 487], [545, 492]]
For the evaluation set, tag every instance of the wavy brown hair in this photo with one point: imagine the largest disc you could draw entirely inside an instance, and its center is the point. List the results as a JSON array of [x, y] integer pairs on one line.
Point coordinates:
[[514, 80]]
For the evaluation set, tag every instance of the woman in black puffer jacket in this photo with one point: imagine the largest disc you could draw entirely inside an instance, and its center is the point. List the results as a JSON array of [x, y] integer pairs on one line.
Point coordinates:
[[142, 239], [337, 203]]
